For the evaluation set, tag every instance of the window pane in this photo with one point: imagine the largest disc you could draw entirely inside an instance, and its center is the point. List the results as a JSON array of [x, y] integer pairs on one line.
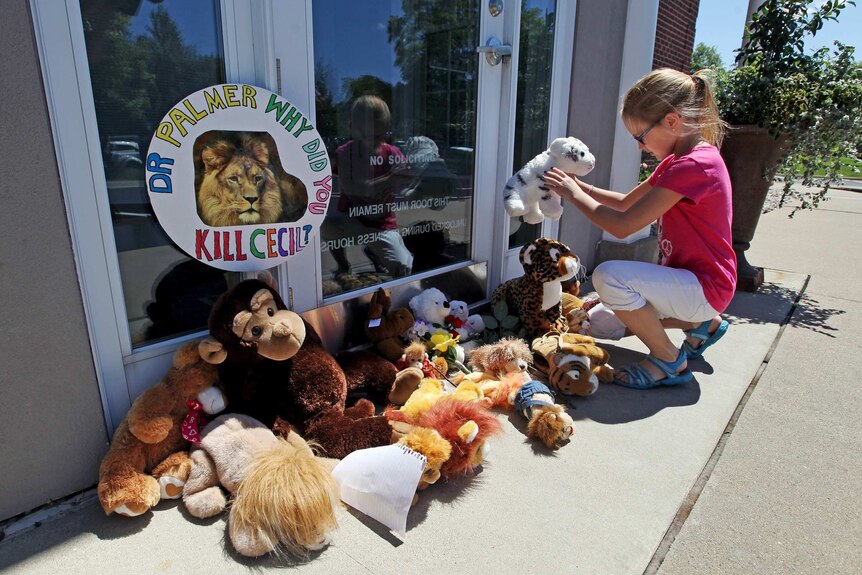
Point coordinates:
[[535, 63], [144, 57], [396, 91]]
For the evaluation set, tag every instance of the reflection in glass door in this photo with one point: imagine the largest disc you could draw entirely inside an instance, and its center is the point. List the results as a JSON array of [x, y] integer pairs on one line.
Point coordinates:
[[144, 57], [532, 111], [396, 87], [113, 68]]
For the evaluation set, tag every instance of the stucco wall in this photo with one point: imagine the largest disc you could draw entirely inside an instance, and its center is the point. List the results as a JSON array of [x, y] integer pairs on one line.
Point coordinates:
[[52, 431], [594, 103]]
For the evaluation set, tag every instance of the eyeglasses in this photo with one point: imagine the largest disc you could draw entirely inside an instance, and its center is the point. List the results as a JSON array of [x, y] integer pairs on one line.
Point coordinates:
[[640, 137]]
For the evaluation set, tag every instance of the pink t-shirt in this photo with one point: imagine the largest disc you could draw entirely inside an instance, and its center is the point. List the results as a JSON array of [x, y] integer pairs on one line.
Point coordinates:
[[354, 170], [695, 233]]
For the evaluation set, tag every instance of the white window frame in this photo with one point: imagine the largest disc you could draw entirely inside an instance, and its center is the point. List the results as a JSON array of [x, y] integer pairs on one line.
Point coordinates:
[[254, 55], [121, 372], [508, 265]]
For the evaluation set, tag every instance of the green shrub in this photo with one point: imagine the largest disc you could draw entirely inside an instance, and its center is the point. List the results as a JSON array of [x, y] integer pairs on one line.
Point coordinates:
[[815, 99]]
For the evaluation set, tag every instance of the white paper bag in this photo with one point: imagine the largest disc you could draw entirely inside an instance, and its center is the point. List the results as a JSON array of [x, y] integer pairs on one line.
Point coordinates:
[[381, 482]]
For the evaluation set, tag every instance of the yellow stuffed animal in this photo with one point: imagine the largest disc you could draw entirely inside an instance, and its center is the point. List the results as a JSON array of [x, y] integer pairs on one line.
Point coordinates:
[[468, 391], [436, 450], [421, 400], [429, 392]]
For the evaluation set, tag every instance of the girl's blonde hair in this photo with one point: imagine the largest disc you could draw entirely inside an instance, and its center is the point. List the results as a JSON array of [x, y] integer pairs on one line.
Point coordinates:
[[370, 118], [665, 90]]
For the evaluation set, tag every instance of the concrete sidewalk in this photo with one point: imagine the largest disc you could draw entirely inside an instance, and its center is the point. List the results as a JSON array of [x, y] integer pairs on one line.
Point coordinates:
[[752, 468], [784, 496]]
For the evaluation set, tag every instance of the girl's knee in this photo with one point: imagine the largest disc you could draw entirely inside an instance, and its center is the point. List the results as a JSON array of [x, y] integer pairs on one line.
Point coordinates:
[[598, 277], [605, 276], [612, 280]]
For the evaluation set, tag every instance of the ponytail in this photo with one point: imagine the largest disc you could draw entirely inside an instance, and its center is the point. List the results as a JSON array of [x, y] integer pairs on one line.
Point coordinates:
[[704, 110], [665, 90]]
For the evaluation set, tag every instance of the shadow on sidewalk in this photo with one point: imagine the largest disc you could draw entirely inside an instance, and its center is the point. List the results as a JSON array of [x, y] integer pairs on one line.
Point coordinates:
[[809, 314], [613, 404]]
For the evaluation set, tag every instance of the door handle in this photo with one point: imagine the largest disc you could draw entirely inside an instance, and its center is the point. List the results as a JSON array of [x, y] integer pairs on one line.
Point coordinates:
[[495, 51]]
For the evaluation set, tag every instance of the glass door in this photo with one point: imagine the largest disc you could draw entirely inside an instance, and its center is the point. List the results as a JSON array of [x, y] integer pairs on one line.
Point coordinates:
[[544, 61], [532, 107], [112, 69], [418, 126], [410, 113], [396, 87], [144, 57]]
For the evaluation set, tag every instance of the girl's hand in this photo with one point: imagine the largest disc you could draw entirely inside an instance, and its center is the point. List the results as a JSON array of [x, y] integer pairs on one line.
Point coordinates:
[[562, 184]]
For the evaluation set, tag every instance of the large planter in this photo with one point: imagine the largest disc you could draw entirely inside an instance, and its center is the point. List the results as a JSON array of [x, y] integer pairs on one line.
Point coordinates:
[[751, 156]]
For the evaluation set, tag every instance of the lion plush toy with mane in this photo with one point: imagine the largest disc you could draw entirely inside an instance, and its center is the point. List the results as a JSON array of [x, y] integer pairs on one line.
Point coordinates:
[[284, 496], [243, 183]]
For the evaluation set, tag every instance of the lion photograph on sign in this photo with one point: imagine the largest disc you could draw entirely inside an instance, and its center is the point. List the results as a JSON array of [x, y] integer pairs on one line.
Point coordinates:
[[239, 180]]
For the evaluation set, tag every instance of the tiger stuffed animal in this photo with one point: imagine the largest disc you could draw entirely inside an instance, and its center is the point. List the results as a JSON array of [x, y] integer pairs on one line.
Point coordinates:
[[526, 194], [574, 364], [537, 296]]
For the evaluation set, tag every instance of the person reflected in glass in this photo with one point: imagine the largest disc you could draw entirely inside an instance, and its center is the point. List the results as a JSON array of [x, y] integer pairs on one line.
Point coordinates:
[[431, 183], [369, 172]]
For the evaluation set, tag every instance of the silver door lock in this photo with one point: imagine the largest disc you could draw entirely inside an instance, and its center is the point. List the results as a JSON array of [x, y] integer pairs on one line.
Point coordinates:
[[495, 51]]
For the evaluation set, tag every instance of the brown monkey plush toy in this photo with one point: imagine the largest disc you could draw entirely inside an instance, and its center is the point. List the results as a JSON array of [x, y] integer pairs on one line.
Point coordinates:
[[274, 368]]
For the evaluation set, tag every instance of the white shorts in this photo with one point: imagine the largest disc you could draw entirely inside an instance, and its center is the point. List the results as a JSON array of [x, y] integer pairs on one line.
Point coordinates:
[[629, 285]]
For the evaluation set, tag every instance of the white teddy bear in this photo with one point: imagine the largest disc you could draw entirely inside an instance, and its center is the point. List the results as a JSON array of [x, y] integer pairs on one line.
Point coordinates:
[[470, 324], [430, 309], [525, 194]]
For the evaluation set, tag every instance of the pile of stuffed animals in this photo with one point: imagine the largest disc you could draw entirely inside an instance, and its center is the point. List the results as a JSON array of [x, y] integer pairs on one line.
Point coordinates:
[[281, 417]]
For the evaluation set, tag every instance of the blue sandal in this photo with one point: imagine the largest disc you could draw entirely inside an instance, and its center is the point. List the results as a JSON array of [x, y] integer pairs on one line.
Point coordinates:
[[701, 332], [640, 378]]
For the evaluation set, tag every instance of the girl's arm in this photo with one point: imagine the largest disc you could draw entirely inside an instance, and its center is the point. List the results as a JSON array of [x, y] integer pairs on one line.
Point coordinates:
[[649, 204], [615, 200]]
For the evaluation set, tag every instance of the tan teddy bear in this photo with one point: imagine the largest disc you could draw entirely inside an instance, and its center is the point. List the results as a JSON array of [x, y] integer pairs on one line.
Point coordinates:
[[510, 354], [147, 460], [502, 371], [384, 327], [499, 368]]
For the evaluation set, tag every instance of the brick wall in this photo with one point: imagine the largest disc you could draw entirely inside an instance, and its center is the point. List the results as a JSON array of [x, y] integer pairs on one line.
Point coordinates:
[[674, 36]]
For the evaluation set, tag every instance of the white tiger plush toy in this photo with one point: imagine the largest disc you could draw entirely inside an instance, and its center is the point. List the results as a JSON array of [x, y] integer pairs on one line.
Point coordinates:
[[525, 193]]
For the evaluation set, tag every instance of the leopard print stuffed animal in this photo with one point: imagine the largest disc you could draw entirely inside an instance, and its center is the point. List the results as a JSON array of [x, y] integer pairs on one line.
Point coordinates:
[[536, 297]]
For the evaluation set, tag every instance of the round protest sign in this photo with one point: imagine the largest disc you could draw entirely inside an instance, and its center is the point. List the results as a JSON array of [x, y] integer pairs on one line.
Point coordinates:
[[238, 177]]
